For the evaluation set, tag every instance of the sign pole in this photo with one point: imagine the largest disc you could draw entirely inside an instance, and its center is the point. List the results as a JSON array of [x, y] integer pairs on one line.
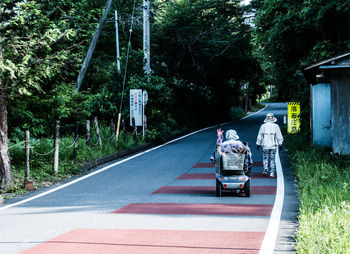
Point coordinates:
[[144, 102], [143, 119]]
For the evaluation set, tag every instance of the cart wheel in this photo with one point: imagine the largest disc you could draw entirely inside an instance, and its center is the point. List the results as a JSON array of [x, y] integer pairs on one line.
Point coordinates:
[[247, 189], [218, 189], [249, 172]]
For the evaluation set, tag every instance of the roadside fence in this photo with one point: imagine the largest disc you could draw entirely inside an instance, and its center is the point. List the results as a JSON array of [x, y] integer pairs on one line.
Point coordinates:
[[32, 146]]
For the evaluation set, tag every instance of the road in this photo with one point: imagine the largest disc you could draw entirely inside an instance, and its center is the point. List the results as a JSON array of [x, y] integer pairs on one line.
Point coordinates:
[[160, 201]]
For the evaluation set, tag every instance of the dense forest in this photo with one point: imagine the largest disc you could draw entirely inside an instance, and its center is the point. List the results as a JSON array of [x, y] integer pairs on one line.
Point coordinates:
[[203, 52]]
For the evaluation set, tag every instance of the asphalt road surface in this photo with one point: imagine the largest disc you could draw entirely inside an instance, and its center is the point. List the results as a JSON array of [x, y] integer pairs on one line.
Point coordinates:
[[159, 201]]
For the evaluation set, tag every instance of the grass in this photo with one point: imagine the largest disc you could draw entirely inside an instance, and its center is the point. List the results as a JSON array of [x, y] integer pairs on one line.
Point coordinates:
[[323, 182], [257, 107], [41, 159]]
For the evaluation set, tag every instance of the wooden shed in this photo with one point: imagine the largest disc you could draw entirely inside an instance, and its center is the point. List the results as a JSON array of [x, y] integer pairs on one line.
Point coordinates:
[[330, 102]]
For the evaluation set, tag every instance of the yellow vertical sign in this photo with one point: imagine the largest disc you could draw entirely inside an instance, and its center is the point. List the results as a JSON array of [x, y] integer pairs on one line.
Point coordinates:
[[293, 117]]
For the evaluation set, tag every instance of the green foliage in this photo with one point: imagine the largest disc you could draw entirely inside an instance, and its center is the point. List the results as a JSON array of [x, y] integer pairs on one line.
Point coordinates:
[[29, 58], [201, 57], [293, 34], [236, 113], [205, 45], [41, 158], [323, 181], [40, 53], [198, 71]]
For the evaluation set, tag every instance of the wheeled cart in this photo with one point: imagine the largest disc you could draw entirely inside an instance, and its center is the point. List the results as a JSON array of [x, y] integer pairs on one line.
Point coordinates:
[[230, 174]]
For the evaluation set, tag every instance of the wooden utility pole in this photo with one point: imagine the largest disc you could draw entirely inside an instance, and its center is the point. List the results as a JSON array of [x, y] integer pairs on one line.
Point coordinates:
[[92, 46], [146, 36]]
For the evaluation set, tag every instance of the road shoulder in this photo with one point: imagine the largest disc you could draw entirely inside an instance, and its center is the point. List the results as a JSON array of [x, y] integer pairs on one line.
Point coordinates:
[[289, 218]]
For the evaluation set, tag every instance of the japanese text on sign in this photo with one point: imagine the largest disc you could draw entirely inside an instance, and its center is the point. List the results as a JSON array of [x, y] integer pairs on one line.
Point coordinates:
[[136, 106], [293, 117]]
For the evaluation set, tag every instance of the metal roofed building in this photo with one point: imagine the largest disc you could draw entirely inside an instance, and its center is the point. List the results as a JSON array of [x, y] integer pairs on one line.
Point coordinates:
[[330, 102]]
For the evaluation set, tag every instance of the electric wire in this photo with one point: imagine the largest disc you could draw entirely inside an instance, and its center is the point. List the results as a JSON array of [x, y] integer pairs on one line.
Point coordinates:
[[127, 57]]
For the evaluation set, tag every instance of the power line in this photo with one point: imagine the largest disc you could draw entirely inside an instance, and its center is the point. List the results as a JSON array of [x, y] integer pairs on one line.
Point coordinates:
[[127, 56]]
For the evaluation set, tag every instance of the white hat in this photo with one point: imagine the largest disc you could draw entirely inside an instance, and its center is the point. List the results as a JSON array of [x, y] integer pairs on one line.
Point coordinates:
[[232, 134], [270, 118]]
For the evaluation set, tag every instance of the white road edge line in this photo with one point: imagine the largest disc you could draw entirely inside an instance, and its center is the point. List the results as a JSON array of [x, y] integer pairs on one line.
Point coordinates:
[[269, 242], [254, 112], [107, 167]]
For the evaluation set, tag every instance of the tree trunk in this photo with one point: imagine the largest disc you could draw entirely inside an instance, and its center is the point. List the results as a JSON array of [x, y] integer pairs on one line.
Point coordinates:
[[5, 166]]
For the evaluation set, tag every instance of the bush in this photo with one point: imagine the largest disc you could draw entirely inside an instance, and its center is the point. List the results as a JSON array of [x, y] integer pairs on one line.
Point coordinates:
[[41, 158], [236, 113], [323, 181]]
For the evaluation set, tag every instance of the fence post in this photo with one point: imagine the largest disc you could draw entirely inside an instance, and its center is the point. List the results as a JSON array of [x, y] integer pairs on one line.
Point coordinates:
[[97, 132], [28, 185], [134, 133], [123, 130], [88, 133], [57, 147], [112, 128], [76, 140]]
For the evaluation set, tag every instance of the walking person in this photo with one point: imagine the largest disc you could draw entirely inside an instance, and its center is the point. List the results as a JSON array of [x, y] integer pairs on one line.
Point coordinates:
[[270, 138]]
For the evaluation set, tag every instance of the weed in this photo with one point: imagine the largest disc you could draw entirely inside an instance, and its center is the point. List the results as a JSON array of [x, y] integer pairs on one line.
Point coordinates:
[[41, 158], [323, 179]]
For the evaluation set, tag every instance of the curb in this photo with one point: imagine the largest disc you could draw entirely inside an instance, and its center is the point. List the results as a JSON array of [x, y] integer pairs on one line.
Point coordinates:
[[102, 160], [112, 157]]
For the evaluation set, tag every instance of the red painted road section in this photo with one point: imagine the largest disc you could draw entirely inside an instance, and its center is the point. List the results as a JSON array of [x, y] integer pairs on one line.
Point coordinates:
[[197, 209], [114, 241], [210, 190], [211, 165], [209, 176], [200, 176], [203, 165]]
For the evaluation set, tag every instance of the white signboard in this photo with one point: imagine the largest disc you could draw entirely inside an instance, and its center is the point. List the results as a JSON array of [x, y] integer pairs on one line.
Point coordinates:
[[136, 106]]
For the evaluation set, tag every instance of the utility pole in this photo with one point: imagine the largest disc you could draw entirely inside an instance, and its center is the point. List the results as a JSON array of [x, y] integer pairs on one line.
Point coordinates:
[[118, 67], [92, 46], [270, 91], [246, 86], [146, 36], [117, 39]]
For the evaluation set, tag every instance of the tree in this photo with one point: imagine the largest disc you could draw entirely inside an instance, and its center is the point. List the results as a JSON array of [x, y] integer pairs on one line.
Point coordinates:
[[205, 45], [292, 34], [30, 60]]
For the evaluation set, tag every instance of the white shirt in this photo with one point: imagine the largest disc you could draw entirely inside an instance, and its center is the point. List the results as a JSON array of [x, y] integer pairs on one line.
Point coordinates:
[[269, 136]]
